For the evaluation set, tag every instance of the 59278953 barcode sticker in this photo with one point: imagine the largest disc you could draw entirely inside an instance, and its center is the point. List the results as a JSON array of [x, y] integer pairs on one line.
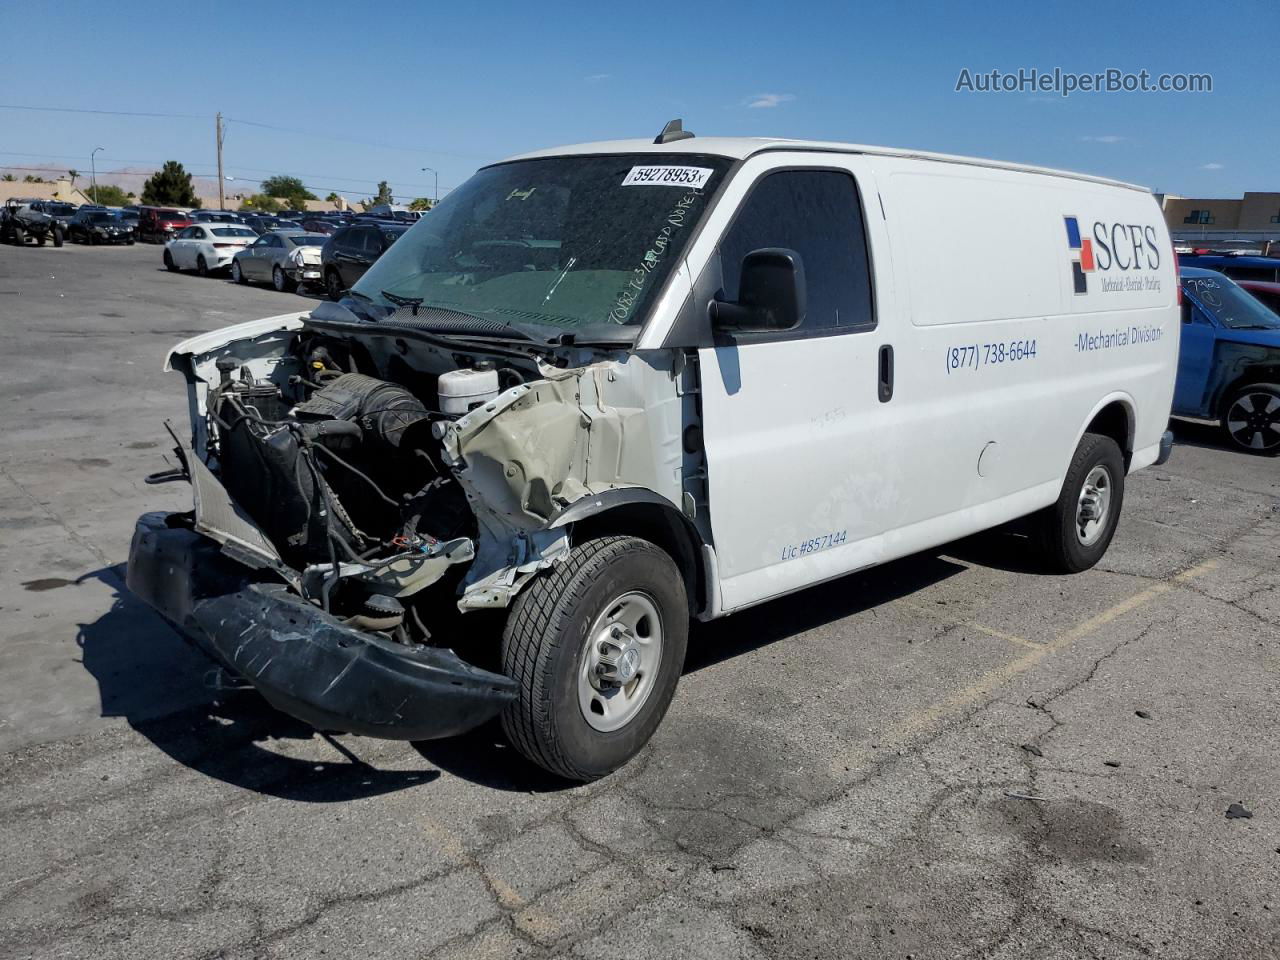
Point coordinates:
[[693, 178]]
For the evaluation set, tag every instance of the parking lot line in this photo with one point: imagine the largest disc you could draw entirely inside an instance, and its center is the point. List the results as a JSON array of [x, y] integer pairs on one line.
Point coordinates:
[[918, 722]]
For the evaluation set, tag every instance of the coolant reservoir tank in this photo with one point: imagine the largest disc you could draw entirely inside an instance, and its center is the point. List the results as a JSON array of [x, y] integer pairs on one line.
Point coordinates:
[[462, 390]]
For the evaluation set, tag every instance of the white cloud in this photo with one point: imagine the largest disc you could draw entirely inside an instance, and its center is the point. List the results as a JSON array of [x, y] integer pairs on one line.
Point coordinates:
[[1105, 138], [597, 77], [1212, 166], [761, 100]]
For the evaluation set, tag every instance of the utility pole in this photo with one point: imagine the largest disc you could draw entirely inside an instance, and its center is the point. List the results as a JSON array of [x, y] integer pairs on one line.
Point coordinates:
[[435, 199], [222, 199]]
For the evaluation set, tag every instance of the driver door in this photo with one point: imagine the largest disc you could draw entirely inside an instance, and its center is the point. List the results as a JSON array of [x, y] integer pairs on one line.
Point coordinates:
[[801, 480]]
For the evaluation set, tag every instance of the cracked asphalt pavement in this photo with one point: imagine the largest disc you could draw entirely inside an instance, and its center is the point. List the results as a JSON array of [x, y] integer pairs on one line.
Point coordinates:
[[950, 756]]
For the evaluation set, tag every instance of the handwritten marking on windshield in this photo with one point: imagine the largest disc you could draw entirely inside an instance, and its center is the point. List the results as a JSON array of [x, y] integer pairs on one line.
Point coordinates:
[[625, 302]]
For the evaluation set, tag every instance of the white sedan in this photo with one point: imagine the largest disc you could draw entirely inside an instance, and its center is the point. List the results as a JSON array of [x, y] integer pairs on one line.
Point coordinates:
[[206, 247], [285, 257]]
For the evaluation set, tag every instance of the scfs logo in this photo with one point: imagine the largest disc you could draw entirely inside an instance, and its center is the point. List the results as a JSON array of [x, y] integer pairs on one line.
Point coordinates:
[[1119, 246]]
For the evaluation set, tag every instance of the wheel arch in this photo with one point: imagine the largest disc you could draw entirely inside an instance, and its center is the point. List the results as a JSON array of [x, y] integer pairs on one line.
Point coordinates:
[[1114, 416], [1263, 373], [636, 512]]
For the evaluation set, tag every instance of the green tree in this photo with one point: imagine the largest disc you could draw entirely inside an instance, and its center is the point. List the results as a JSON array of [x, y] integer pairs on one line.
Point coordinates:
[[421, 203], [171, 184], [263, 203], [32, 178], [384, 193], [73, 174], [8, 178], [287, 188], [107, 195]]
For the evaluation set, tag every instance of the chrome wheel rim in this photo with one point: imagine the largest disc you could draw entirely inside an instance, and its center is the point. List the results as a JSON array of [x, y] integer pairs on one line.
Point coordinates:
[[619, 664], [1093, 507], [1254, 420]]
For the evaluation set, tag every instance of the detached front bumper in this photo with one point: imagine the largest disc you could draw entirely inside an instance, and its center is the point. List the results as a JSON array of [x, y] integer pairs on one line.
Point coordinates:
[[302, 660]]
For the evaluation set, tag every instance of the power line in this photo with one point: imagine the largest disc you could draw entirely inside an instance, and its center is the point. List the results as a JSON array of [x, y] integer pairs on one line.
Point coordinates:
[[109, 113]]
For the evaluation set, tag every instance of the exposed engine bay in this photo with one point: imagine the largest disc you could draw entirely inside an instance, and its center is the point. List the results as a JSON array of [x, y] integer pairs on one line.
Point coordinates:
[[342, 472], [394, 482]]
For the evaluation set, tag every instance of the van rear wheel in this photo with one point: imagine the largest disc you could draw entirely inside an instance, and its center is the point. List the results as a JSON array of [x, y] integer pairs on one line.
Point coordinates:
[[597, 646], [1075, 532]]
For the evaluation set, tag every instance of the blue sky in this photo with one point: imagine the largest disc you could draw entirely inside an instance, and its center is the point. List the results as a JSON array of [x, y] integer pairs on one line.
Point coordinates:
[[377, 91]]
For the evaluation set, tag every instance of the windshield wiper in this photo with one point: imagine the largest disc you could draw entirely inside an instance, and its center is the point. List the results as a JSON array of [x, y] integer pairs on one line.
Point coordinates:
[[400, 301]]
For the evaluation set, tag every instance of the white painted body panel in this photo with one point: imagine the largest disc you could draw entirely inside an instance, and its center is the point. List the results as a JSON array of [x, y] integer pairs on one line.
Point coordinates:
[[963, 255]]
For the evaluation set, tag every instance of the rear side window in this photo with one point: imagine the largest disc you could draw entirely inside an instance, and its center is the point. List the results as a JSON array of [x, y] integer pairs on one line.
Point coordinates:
[[816, 213]]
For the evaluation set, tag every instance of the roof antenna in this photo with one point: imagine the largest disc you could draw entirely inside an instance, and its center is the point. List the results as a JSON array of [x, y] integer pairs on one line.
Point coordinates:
[[673, 131]]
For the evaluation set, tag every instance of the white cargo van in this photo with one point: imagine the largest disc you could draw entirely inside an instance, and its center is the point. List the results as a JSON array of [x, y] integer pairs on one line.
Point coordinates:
[[602, 389]]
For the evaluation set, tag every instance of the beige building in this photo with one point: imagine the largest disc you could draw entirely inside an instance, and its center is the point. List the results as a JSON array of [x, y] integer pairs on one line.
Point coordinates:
[[59, 189], [1254, 212]]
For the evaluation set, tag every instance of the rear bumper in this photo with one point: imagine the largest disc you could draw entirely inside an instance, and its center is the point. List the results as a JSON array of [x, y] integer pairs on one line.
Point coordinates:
[[303, 661]]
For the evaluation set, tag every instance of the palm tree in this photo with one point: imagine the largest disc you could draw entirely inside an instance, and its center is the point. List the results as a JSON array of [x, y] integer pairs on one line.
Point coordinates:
[[73, 174]]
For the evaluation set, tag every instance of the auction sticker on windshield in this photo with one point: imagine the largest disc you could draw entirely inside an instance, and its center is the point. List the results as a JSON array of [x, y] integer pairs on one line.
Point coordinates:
[[692, 177]]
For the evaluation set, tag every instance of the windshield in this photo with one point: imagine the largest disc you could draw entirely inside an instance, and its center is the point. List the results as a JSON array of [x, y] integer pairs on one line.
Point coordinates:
[[565, 242], [309, 240], [1230, 305], [61, 209], [100, 218], [232, 232]]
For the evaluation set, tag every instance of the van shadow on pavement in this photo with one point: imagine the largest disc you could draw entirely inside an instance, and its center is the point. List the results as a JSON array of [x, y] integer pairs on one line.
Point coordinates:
[[150, 676]]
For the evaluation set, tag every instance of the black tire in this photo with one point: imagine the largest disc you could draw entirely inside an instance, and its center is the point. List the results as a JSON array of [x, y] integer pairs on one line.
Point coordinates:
[[546, 638], [168, 262], [333, 285], [237, 272], [1061, 542], [280, 280], [1256, 425], [202, 266]]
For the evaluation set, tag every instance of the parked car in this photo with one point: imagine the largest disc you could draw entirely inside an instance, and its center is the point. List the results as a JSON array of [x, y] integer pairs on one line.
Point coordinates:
[[207, 247], [215, 216], [1229, 361], [1236, 266], [159, 224], [59, 211], [263, 224], [668, 381], [21, 220], [285, 258], [100, 226], [1267, 293], [327, 225], [352, 250]]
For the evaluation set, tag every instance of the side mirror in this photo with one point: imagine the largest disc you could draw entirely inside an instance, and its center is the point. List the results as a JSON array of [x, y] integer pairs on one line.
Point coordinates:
[[771, 294]]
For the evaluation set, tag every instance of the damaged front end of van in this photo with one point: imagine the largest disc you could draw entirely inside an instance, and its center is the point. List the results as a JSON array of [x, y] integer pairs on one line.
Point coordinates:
[[358, 488]]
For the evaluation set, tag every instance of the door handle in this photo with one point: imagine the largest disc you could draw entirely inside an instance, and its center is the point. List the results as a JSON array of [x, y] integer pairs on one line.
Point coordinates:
[[886, 373]]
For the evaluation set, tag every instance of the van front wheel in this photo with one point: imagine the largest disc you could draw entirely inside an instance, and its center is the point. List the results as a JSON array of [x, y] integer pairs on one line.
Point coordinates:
[[1076, 531], [597, 646]]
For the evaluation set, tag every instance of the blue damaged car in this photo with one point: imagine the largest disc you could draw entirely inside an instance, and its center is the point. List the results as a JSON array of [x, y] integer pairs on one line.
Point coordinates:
[[1229, 361]]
